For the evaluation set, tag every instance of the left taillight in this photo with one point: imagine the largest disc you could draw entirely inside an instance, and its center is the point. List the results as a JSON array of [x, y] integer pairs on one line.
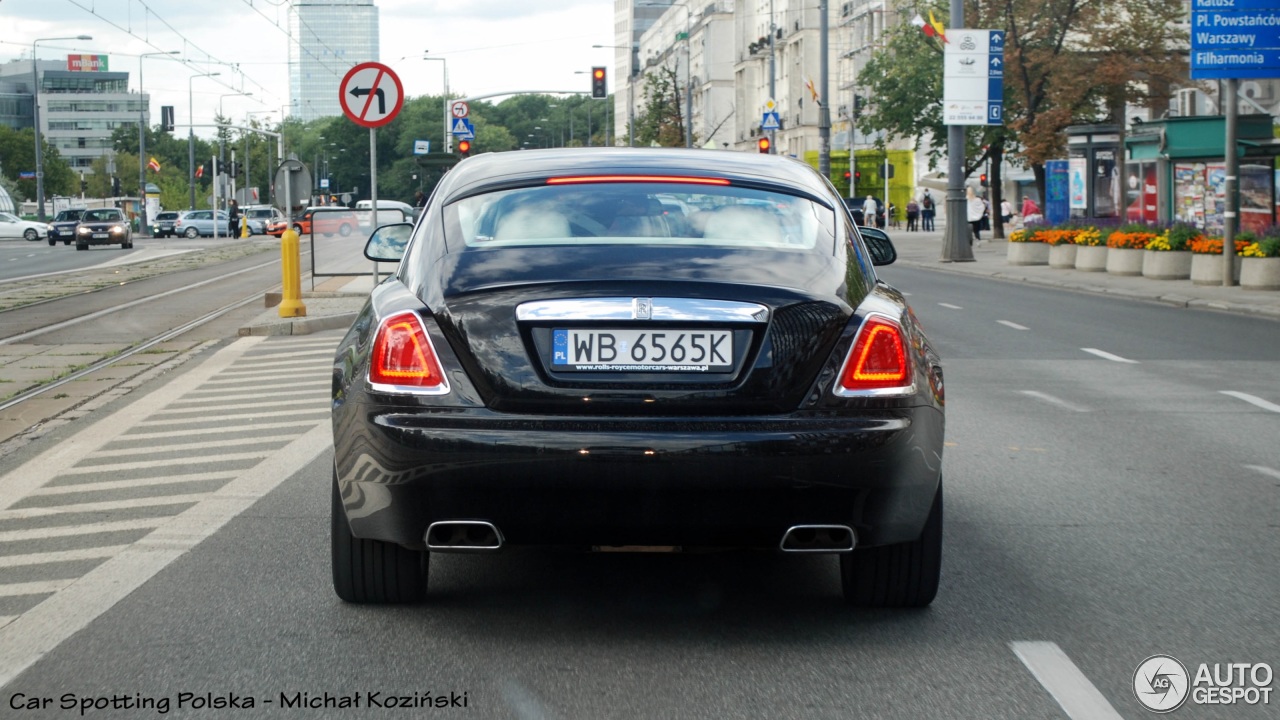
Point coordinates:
[[404, 360], [879, 363]]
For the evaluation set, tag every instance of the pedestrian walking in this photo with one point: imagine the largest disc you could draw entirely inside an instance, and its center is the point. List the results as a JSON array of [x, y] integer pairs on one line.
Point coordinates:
[[233, 219], [1030, 211], [975, 208], [913, 215], [927, 212], [869, 207], [1006, 211]]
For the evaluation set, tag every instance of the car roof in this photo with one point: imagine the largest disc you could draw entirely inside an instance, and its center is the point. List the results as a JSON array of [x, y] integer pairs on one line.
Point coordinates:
[[494, 170]]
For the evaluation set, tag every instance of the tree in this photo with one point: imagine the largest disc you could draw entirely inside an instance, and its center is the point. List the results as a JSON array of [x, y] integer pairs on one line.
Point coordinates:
[[1066, 62], [18, 155], [661, 120]]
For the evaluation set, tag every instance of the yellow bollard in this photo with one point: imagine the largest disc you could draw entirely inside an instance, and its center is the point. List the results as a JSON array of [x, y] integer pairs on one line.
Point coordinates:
[[291, 270], [244, 227]]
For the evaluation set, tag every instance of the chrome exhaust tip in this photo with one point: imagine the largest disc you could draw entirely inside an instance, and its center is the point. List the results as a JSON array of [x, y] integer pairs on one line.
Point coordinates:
[[818, 539], [463, 536]]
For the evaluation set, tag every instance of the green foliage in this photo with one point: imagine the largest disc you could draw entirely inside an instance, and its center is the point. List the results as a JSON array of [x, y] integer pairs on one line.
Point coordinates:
[[661, 122], [18, 154]]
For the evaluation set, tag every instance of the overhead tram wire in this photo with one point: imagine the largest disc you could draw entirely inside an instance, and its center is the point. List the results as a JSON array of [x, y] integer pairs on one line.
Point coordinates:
[[188, 62]]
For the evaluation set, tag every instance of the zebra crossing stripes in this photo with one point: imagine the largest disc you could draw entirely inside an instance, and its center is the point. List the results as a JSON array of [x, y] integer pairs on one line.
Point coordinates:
[[75, 507]]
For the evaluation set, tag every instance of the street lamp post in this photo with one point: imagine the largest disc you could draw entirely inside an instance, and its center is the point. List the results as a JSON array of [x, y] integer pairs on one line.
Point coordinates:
[[447, 141], [191, 137], [35, 108], [634, 62], [222, 150], [142, 141]]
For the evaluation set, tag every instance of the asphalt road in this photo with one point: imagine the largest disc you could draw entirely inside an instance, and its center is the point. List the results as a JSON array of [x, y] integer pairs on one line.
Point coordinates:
[[1113, 488]]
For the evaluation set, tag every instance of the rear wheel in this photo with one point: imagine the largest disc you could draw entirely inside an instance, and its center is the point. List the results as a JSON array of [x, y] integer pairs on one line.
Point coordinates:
[[373, 571], [345, 230], [192, 233], [31, 235], [903, 575]]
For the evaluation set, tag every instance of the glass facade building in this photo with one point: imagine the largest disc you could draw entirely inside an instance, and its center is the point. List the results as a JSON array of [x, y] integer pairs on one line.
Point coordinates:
[[331, 36]]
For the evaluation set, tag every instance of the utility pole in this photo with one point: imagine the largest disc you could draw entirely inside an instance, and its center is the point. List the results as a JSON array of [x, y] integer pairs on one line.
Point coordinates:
[[824, 108], [956, 247]]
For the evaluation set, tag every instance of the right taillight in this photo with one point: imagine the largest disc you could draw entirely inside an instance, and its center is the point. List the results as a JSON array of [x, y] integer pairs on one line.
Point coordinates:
[[879, 362], [403, 358]]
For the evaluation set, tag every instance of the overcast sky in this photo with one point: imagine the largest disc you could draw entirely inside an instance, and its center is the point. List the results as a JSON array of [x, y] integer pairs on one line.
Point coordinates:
[[489, 45]]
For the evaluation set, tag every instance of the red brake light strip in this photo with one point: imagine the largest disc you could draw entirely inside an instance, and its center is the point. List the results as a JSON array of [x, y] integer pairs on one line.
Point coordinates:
[[580, 179]]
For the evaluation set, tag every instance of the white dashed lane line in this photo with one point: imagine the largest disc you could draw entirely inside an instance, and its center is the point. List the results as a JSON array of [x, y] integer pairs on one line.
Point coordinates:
[[1108, 356], [1269, 472], [1079, 699], [1054, 401], [1253, 400], [1013, 325], [949, 305]]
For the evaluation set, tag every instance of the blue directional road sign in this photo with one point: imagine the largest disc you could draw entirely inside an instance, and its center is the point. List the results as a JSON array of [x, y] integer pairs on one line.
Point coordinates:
[[1235, 39], [771, 122], [973, 77]]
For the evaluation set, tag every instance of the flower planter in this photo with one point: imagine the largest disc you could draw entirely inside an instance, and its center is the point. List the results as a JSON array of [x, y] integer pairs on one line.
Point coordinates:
[[1091, 258], [1028, 253], [1260, 273], [1207, 269], [1124, 261], [1062, 256], [1166, 264]]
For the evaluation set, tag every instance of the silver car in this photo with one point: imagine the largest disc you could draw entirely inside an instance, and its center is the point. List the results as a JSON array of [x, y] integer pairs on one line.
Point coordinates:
[[199, 223]]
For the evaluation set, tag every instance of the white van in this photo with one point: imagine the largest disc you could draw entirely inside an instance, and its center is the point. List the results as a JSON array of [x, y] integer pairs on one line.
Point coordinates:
[[389, 211]]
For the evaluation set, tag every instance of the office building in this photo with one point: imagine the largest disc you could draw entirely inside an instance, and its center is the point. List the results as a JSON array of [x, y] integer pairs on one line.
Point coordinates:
[[81, 105], [331, 36]]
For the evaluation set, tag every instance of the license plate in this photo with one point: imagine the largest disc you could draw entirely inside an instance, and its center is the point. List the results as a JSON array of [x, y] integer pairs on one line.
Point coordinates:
[[99, 236], [627, 350]]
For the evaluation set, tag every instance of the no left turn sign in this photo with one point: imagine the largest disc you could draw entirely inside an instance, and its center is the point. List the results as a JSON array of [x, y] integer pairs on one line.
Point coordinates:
[[371, 94], [459, 108]]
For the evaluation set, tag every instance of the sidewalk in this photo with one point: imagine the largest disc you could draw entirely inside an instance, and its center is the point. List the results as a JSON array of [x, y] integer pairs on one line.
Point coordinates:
[[924, 250]]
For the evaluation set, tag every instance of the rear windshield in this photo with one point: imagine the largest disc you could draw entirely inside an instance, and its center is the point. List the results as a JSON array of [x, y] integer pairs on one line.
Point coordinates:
[[260, 213], [101, 215], [641, 214], [167, 216]]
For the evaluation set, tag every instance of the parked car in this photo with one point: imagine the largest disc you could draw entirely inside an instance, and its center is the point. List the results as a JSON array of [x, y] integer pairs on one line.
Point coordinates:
[[103, 226], [261, 217], [199, 223], [63, 226], [162, 225], [556, 364], [328, 221], [12, 226]]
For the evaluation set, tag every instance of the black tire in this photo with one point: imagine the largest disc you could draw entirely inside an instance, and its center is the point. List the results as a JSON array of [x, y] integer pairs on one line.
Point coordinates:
[[31, 235], [345, 230], [904, 575], [373, 571], [298, 229], [66, 242], [128, 245], [81, 247], [52, 242], [192, 233]]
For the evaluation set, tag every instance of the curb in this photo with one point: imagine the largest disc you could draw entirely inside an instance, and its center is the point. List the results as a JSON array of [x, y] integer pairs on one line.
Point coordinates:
[[300, 326]]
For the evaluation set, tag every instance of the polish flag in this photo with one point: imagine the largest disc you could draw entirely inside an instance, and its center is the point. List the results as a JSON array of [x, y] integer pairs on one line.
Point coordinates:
[[154, 165], [932, 27], [200, 171]]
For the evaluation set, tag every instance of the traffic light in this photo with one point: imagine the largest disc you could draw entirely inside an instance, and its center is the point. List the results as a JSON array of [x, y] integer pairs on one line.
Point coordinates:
[[599, 85], [84, 185], [464, 148], [857, 176], [763, 145], [115, 187], [982, 179]]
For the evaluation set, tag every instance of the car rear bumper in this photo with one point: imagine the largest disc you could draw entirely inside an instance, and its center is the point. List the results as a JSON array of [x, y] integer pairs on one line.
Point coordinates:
[[737, 482]]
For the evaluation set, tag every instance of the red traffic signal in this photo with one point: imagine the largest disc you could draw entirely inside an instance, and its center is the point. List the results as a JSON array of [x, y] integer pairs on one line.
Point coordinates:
[[464, 148], [599, 85], [982, 179], [763, 145], [847, 174], [857, 174]]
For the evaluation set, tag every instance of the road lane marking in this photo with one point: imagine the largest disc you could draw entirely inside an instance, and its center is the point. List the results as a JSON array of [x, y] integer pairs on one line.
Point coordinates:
[[1013, 325], [212, 432], [35, 512], [183, 447], [192, 401], [163, 462], [1108, 356], [1253, 400], [42, 628], [949, 305], [1079, 699], [198, 411], [33, 588], [57, 556], [242, 418], [1054, 400], [90, 529], [130, 484], [1265, 471]]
